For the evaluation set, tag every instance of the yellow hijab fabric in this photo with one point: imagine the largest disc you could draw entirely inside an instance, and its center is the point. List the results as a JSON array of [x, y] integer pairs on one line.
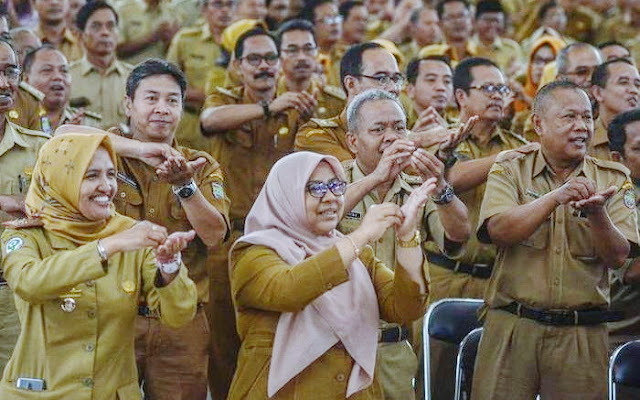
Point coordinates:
[[55, 188]]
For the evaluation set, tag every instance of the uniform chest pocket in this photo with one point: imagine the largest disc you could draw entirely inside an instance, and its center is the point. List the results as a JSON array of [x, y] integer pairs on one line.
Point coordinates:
[[128, 201], [580, 237], [539, 239], [242, 137]]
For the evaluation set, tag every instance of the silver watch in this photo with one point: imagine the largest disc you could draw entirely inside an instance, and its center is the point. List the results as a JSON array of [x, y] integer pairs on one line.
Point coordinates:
[[185, 191], [445, 196]]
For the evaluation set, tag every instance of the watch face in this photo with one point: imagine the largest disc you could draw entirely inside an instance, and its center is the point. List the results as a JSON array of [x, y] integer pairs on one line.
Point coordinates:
[[185, 192]]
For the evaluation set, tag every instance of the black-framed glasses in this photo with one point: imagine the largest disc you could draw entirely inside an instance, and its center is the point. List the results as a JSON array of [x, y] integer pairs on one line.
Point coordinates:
[[255, 59], [318, 189], [307, 50], [385, 79], [489, 89], [11, 73]]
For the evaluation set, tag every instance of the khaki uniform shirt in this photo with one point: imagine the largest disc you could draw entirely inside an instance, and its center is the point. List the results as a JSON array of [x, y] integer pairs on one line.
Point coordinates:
[[28, 107], [331, 99], [582, 24], [142, 197], [325, 136], [90, 119], [70, 45], [105, 91], [504, 52], [260, 295], [617, 28], [330, 63], [557, 266], [87, 351], [247, 154], [599, 146]]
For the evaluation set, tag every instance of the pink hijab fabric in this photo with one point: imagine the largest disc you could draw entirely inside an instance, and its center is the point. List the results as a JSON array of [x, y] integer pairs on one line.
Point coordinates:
[[347, 313]]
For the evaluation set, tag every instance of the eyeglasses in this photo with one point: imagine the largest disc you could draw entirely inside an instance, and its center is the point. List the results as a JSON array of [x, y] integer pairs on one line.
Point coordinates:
[[256, 59], [330, 20], [489, 89], [11, 73], [385, 79], [307, 50], [583, 72], [222, 4], [318, 189]]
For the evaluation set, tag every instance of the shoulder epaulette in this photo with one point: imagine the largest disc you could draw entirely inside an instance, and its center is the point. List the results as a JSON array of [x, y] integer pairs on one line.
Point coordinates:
[[190, 31], [335, 92], [616, 166], [228, 92], [324, 123], [30, 132], [517, 136], [31, 90], [93, 114]]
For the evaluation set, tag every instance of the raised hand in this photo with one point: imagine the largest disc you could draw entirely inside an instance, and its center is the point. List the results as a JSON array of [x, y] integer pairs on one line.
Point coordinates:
[[174, 244], [179, 171], [395, 158], [141, 235], [449, 144], [411, 210], [378, 218]]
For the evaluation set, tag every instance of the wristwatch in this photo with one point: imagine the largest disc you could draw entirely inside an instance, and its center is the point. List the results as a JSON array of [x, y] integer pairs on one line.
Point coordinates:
[[172, 266], [445, 196], [265, 108], [185, 191]]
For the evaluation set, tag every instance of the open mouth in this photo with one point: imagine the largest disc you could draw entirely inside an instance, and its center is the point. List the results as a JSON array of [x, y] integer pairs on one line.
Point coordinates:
[[579, 141], [102, 200], [632, 101]]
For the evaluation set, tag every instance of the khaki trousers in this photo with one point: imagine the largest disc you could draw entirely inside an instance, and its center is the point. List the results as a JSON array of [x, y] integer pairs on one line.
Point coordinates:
[[397, 367]]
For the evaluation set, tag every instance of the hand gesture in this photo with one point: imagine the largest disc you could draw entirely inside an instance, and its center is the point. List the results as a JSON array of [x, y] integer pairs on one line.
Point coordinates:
[[449, 144], [174, 244], [141, 235], [411, 210], [428, 119], [428, 166], [596, 202], [574, 190], [156, 154], [77, 118], [395, 158], [378, 218], [303, 102], [178, 171]]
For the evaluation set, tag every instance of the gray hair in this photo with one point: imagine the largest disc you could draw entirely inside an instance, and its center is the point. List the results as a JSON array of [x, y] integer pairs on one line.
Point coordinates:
[[562, 60], [353, 110]]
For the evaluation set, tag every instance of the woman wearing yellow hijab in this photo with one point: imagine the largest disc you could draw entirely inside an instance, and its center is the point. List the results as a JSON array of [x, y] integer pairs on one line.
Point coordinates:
[[77, 269]]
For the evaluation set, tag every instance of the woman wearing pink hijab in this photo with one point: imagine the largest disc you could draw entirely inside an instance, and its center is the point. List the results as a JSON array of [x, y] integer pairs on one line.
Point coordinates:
[[307, 298]]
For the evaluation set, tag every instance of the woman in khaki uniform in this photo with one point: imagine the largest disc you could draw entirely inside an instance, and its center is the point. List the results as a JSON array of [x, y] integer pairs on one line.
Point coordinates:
[[307, 298], [77, 271]]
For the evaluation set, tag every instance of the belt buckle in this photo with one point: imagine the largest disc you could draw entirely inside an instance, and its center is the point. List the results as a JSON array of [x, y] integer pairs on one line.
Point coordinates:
[[547, 318], [457, 266], [399, 327]]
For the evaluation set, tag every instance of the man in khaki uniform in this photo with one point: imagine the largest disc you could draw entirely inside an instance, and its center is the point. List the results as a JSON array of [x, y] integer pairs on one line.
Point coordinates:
[[18, 152], [455, 22], [251, 129], [364, 66], [480, 90], [53, 28], [560, 220], [197, 51], [380, 179], [47, 70], [99, 76], [188, 193], [424, 30], [616, 88], [299, 68], [328, 31]]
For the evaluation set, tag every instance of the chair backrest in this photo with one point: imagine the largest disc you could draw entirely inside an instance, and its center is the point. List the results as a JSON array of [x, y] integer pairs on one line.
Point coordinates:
[[624, 367], [449, 320], [466, 361]]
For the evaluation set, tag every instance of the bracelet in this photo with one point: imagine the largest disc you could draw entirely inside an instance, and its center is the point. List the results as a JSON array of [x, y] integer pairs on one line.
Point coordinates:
[[265, 108], [101, 251], [356, 250], [172, 266], [413, 242]]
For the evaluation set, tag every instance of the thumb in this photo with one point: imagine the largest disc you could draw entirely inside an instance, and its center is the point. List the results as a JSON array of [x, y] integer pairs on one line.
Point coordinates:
[[198, 163]]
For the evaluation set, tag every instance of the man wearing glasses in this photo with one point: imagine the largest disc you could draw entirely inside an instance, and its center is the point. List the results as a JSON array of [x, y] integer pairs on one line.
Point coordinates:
[[300, 69], [196, 51], [576, 62], [18, 152], [328, 31], [480, 90], [364, 66]]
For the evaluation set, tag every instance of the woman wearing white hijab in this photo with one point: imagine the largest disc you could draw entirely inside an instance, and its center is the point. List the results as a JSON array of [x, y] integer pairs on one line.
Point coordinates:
[[307, 298]]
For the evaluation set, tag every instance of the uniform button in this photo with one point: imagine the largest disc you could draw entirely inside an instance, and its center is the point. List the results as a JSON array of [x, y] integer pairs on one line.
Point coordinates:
[[155, 179], [90, 283], [123, 194], [152, 210], [557, 250], [91, 313], [329, 285], [88, 382], [340, 377], [89, 347], [556, 281]]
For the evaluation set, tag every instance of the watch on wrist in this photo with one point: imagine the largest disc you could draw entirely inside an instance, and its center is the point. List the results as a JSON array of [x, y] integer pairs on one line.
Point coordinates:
[[413, 242], [172, 266], [445, 196], [185, 191], [265, 108]]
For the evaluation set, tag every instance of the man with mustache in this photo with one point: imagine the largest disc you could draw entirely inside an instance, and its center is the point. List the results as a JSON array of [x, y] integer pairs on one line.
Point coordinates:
[[197, 50], [480, 91], [53, 28], [250, 129], [99, 75], [378, 137], [300, 69], [616, 88], [47, 70]]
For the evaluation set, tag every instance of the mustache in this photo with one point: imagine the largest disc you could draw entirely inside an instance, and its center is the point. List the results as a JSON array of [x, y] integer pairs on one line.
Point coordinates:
[[303, 64], [264, 74]]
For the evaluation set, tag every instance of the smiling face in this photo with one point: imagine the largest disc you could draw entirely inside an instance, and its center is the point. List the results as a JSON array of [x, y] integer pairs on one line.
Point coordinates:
[[49, 73], [8, 87], [622, 90], [489, 107], [433, 87], [98, 187], [323, 214]]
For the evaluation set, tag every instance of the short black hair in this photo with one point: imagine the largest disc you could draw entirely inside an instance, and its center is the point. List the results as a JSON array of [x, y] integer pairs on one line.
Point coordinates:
[[463, 76], [30, 58], [294, 25], [87, 11], [413, 68], [610, 43], [345, 8], [488, 6], [539, 102], [258, 31], [351, 63], [600, 74], [151, 67], [309, 11], [441, 3], [545, 9], [617, 130]]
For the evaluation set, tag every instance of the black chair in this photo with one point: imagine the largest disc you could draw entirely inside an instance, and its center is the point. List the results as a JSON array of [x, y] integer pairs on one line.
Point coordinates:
[[624, 367], [448, 320], [466, 361]]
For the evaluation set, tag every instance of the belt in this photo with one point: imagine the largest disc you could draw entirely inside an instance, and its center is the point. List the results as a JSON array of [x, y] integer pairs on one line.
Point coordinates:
[[393, 334], [593, 316], [145, 311], [482, 271], [237, 224], [3, 282]]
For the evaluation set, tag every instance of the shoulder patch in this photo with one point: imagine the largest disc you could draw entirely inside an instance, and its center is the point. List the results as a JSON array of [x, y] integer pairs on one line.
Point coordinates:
[[629, 198], [217, 190], [324, 123], [227, 92], [37, 94], [13, 244], [517, 136], [334, 91], [92, 114]]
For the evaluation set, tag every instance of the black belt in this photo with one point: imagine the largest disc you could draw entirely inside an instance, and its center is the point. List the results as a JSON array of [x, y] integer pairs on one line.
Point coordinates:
[[3, 282], [237, 224], [482, 271], [393, 334], [593, 316]]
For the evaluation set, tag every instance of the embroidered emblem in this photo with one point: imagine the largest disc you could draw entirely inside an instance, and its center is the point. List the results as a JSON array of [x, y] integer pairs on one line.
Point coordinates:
[[13, 244]]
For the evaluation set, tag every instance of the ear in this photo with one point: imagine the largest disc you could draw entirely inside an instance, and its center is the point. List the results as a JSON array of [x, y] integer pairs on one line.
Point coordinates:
[[350, 83], [461, 97], [411, 90], [352, 142], [617, 157], [537, 124], [128, 106], [596, 91]]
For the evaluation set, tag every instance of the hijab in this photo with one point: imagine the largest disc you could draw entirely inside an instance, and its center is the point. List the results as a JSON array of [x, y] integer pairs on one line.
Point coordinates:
[[54, 192], [348, 313]]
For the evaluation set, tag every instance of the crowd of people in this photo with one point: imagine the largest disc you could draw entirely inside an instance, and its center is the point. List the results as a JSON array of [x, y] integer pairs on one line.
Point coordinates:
[[252, 199]]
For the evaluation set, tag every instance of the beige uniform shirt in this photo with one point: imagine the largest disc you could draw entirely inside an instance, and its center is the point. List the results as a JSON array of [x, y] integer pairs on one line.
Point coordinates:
[[557, 266], [105, 91], [70, 45], [142, 197], [599, 147], [28, 107], [325, 136], [504, 52], [331, 99], [90, 119]]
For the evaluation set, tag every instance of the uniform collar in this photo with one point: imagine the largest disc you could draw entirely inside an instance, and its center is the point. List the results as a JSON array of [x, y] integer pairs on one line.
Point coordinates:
[[116, 66], [540, 164], [600, 133], [11, 138], [475, 44]]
